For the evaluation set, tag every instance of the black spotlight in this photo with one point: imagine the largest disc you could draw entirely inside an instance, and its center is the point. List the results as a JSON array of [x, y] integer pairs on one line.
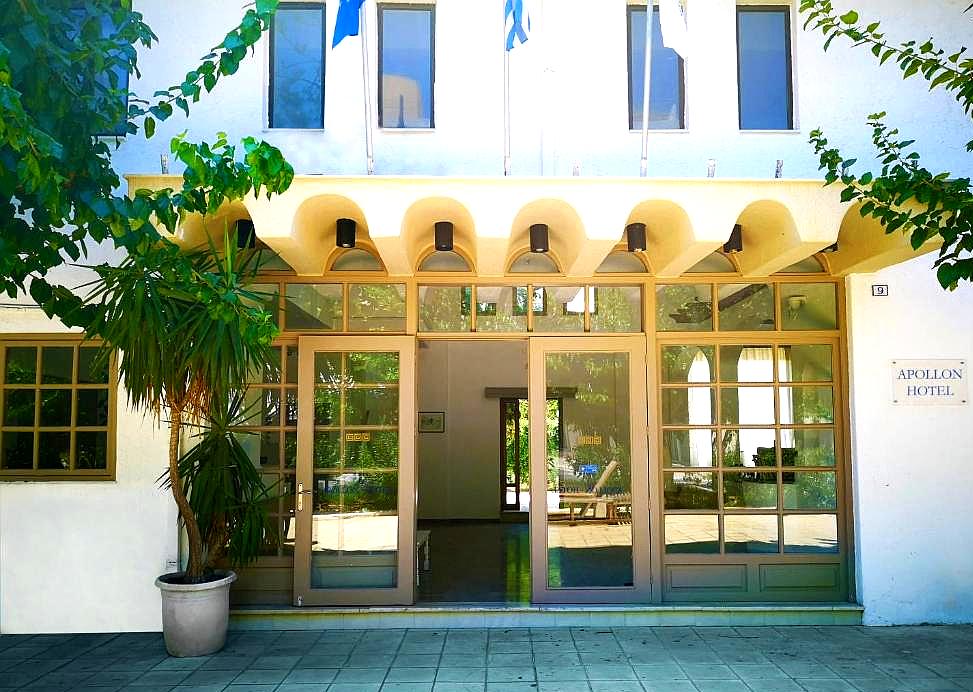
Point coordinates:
[[538, 238], [735, 243], [636, 237], [246, 236], [346, 233], [831, 248], [444, 236]]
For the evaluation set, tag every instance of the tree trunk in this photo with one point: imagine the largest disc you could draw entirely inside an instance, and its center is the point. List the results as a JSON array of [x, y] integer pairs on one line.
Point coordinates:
[[194, 570]]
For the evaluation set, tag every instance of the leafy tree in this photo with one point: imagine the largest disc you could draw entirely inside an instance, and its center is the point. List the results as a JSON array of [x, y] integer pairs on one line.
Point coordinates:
[[905, 196]]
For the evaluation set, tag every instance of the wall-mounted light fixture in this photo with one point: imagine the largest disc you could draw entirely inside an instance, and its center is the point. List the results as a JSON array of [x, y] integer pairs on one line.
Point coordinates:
[[710, 168], [636, 237], [735, 243], [779, 170], [539, 241], [345, 237], [246, 236], [444, 236]]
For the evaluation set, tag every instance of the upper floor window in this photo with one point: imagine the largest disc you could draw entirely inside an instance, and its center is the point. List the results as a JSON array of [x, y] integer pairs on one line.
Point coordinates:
[[666, 91], [297, 66], [406, 66], [764, 67]]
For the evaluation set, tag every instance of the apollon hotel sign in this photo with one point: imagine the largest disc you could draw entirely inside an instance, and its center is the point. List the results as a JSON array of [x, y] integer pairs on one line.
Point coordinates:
[[930, 382]]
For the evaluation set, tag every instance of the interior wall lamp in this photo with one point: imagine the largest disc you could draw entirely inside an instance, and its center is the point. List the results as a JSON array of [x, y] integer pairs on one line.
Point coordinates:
[[735, 243], [635, 233], [539, 240], [345, 236], [444, 236]]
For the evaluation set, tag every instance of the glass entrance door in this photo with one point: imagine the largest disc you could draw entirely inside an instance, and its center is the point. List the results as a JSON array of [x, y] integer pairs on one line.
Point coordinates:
[[355, 485], [590, 529]]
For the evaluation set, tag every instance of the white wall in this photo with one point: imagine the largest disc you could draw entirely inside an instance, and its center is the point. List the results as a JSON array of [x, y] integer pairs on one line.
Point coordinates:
[[459, 470], [83, 556], [912, 465]]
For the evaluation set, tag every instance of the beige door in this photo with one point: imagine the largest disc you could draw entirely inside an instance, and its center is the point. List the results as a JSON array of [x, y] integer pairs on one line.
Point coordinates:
[[589, 504], [355, 505]]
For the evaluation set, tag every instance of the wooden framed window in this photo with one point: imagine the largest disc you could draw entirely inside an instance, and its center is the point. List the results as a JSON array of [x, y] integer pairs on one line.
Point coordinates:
[[57, 411]]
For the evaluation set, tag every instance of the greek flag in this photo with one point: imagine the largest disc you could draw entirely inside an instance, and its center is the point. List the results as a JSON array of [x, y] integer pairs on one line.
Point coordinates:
[[515, 19], [675, 34], [346, 23]]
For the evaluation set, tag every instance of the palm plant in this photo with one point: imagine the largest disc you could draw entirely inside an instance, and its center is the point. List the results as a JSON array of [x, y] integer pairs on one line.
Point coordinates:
[[188, 332]]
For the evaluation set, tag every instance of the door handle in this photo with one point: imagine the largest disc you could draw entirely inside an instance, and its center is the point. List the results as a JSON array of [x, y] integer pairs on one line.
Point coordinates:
[[301, 492]]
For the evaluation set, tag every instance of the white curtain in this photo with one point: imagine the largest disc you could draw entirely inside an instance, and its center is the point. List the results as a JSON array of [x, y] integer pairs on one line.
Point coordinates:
[[756, 404], [700, 412]]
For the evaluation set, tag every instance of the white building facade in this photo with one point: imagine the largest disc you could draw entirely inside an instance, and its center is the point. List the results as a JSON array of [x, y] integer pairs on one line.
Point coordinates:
[[757, 449]]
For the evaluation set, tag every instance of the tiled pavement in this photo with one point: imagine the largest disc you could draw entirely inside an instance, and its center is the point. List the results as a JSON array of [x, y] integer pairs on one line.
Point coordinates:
[[673, 659]]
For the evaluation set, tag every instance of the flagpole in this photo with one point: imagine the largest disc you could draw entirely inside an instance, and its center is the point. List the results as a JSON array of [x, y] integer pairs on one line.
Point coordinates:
[[506, 112], [366, 83], [646, 87]]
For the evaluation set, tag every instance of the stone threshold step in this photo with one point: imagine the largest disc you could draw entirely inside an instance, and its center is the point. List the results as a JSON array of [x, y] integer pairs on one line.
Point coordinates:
[[467, 616]]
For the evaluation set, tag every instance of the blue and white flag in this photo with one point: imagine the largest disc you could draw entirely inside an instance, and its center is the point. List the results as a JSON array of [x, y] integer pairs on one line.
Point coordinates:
[[515, 19], [675, 32], [346, 23]]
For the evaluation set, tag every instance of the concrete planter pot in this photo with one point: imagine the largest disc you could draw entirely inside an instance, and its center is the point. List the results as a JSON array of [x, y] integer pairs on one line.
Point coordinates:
[[195, 616]]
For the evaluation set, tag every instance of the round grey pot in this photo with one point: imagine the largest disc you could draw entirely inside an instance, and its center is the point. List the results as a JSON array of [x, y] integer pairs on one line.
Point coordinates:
[[195, 616]]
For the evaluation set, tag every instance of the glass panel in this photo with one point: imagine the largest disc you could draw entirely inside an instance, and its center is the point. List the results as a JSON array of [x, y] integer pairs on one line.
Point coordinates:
[[806, 405], [689, 447], [716, 263], [444, 261], [692, 406], [692, 533], [763, 59], [372, 406], [810, 533], [747, 405], [690, 490], [263, 448], [297, 68], [406, 67], [314, 306], [589, 530], [688, 364], [56, 407], [18, 407], [92, 450], [808, 306], [808, 265], [356, 260], [746, 364], [354, 530], [270, 261], [749, 447], [534, 263], [746, 307], [327, 369], [267, 373], [804, 363], [290, 408], [21, 365], [266, 296], [665, 97], [558, 308], [327, 449], [501, 308], [684, 308], [291, 364], [445, 308], [261, 407], [375, 449], [807, 447], [621, 262], [54, 451], [750, 490], [91, 368], [92, 407], [290, 450], [750, 533], [616, 309], [57, 365], [327, 404], [373, 367], [810, 490], [16, 450], [376, 308]]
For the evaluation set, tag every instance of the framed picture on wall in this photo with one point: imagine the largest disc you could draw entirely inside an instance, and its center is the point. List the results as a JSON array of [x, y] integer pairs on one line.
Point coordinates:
[[432, 421]]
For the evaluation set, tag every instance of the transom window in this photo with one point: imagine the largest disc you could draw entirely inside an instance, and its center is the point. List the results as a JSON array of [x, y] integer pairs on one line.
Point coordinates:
[[57, 411], [406, 66]]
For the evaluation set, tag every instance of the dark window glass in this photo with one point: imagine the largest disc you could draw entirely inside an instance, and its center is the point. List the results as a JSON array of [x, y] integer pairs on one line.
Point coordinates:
[[666, 84], [764, 64], [297, 66], [406, 66]]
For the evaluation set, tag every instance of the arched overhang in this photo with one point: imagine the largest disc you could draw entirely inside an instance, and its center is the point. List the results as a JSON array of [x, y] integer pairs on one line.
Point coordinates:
[[420, 219], [865, 247], [669, 236], [566, 233]]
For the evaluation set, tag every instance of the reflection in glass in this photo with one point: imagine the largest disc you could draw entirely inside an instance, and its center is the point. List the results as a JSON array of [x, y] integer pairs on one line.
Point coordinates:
[[746, 307], [621, 262], [688, 406], [810, 490], [16, 450], [372, 367], [749, 447], [810, 533], [807, 447], [444, 261], [558, 308], [534, 263], [372, 406], [406, 66], [746, 364], [57, 365], [693, 490], [692, 533], [696, 448], [666, 96], [376, 308], [684, 308], [313, 306], [21, 365], [92, 450], [327, 449], [92, 407], [445, 308], [804, 363], [688, 364], [376, 449], [261, 407], [589, 530], [327, 404], [750, 533], [18, 407], [747, 405], [262, 448], [55, 407], [501, 308], [806, 405], [616, 309], [267, 296], [92, 369], [750, 490], [327, 369], [297, 67], [356, 259], [808, 306], [54, 451]]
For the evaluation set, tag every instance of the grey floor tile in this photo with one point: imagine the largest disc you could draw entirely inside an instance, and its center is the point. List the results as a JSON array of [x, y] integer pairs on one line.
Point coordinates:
[[564, 686], [319, 675], [512, 687], [459, 687], [360, 675], [610, 672], [260, 677], [880, 684], [303, 687], [721, 686], [615, 686], [708, 671], [407, 687], [773, 685], [906, 670], [416, 661], [411, 675], [757, 671], [931, 684], [560, 673], [355, 687], [669, 686], [659, 671], [817, 685], [250, 688], [511, 674], [476, 675]]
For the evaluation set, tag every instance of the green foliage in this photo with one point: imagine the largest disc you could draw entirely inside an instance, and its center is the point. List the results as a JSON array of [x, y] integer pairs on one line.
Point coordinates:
[[904, 196]]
